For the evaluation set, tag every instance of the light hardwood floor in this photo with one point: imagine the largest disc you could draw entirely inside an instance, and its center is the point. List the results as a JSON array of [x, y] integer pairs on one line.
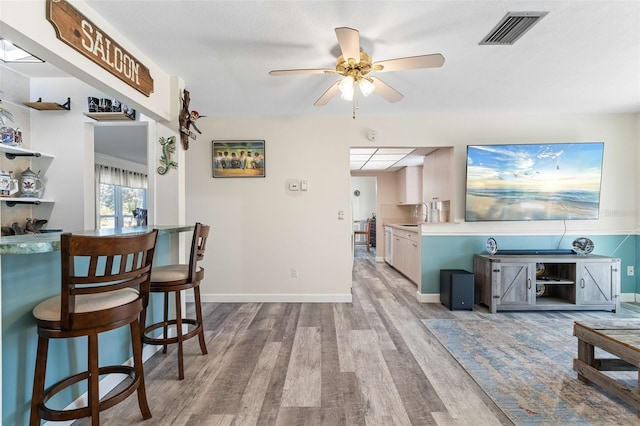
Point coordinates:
[[370, 362]]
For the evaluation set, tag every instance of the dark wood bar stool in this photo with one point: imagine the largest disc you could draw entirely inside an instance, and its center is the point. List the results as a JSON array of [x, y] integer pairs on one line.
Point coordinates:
[[105, 285], [170, 279]]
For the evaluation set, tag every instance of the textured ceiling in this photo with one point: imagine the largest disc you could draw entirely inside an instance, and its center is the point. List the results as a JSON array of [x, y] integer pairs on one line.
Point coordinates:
[[583, 57]]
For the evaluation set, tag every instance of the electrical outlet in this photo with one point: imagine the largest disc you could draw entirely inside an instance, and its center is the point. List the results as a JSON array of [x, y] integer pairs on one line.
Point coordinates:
[[294, 272], [630, 271]]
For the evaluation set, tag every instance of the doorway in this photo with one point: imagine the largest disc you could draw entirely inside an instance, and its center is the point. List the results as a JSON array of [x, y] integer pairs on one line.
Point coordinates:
[[121, 174], [363, 208]]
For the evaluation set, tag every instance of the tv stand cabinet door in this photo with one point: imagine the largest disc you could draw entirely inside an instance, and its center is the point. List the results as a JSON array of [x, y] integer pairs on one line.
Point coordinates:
[[513, 284], [598, 283]]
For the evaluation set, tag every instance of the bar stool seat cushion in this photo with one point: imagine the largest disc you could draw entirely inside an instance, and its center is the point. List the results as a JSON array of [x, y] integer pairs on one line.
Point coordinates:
[[49, 310], [168, 273]]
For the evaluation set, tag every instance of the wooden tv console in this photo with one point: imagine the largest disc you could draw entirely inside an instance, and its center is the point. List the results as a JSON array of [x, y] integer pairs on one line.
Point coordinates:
[[547, 282]]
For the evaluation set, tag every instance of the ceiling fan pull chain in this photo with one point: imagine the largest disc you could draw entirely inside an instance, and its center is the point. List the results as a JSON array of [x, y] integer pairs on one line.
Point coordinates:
[[354, 107], [355, 104]]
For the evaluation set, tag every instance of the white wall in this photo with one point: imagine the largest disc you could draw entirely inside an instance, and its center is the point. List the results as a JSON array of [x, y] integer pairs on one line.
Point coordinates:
[[68, 136], [364, 204], [261, 230]]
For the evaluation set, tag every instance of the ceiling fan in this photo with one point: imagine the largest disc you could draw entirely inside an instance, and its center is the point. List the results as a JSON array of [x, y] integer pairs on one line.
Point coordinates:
[[356, 67]]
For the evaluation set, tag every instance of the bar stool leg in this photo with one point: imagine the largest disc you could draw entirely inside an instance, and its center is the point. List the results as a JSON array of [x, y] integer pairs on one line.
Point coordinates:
[[165, 328], [136, 342], [179, 335], [94, 376], [38, 380], [196, 296]]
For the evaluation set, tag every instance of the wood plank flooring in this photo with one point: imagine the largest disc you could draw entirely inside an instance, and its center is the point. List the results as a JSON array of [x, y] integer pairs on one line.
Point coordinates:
[[371, 362]]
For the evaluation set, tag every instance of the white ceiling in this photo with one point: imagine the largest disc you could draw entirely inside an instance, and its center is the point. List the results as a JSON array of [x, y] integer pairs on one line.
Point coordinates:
[[583, 57]]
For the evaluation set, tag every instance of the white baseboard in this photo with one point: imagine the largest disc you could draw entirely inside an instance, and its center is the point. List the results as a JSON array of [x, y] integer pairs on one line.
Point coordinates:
[[629, 297], [273, 298], [428, 297]]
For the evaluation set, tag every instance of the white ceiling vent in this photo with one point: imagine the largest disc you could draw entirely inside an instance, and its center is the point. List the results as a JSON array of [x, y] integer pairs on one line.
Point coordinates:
[[512, 27]]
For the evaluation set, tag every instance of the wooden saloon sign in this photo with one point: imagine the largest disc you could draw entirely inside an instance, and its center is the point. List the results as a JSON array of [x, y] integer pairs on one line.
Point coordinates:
[[73, 28]]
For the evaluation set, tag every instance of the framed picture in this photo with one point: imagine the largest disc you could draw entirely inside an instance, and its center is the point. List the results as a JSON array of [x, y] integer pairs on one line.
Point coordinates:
[[238, 159]]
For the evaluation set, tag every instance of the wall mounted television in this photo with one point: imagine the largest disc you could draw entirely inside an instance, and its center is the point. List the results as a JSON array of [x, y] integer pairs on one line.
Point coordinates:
[[547, 181]]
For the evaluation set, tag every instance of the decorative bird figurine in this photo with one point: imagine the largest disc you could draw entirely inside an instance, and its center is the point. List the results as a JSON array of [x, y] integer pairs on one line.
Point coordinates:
[[16, 229], [33, 226], [187, 120]]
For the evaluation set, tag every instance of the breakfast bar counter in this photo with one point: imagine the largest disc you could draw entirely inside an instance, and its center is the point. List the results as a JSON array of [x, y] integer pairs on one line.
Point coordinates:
[[50, 241], [30, 273]]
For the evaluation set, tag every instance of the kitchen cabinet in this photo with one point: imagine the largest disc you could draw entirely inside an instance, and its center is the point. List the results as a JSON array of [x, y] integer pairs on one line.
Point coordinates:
[[437, 175], [409, 185], [388, 245], [405, 252], [547, 282]]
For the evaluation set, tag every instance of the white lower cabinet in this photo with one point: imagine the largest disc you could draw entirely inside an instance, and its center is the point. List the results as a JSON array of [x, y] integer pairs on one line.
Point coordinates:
[[406, 254]]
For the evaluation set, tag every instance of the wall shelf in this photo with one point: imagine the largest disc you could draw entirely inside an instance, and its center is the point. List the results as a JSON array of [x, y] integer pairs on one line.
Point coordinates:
[[109, 116], [11, 152], [12, 201], [49, 106]]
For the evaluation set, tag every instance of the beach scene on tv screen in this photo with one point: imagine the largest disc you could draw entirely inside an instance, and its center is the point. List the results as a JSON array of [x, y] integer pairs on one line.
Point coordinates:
[[533, 181]]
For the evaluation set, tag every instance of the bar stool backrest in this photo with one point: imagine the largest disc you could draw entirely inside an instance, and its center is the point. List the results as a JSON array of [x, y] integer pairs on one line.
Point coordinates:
[[198, 246], [93, 265]]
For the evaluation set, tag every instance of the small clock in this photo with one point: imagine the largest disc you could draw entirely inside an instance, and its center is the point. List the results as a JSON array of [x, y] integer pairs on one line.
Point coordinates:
[[492, 246]]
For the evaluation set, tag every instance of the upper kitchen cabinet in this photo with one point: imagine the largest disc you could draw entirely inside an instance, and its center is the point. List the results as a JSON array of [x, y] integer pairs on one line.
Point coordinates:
[[437, 175], [409, 185]]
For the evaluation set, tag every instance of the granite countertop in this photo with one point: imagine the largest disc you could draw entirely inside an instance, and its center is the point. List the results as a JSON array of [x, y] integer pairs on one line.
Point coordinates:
[[50, 241]]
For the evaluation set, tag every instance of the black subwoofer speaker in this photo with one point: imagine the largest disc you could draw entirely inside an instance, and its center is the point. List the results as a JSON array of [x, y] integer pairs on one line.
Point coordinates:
[[456, 289]]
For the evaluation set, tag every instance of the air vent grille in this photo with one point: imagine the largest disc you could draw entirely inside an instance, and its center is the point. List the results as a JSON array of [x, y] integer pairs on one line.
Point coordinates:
[[512, 27]]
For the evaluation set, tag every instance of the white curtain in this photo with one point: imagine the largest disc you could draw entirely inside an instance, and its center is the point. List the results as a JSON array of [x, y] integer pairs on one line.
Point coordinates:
[[117, 176]]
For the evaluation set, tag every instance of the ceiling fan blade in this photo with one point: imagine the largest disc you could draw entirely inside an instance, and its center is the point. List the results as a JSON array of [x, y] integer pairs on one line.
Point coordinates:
[[303, 71], [386, 91], [412, 62], [349, 41], [328, 94]]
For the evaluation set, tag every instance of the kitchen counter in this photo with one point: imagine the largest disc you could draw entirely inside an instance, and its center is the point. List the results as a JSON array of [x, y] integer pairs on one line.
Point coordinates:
[[50, 241], [417, 227]]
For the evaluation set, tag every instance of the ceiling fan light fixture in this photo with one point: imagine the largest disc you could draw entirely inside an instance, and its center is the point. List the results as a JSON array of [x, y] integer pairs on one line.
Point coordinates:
[[347, 88], [366, 86]]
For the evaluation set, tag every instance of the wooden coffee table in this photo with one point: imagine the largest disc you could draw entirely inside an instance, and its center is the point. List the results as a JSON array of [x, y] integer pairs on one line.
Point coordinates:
[[617, 337]]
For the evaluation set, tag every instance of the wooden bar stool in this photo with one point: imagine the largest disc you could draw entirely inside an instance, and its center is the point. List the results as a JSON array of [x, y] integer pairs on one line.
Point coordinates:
[[169, 279], [367, 235], [105, 285]]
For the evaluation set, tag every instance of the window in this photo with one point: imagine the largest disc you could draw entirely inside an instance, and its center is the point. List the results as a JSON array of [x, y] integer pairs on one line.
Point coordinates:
[[117, 204], [119, 193]]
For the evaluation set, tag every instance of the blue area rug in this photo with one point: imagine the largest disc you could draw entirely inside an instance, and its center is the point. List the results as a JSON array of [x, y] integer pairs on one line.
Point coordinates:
[[526, 367]]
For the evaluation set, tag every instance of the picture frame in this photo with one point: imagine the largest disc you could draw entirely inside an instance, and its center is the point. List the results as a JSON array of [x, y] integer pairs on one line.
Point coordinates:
[[238, 158]]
